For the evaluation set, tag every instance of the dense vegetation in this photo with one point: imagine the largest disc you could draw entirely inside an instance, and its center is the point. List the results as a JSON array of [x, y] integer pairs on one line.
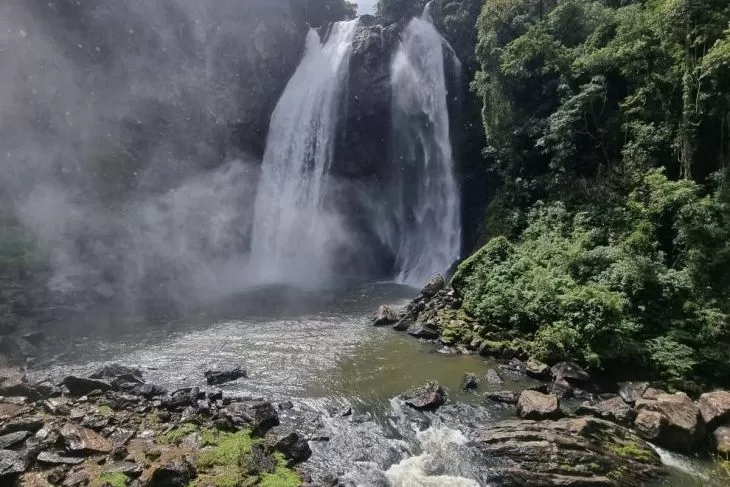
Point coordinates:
[[608, 127]]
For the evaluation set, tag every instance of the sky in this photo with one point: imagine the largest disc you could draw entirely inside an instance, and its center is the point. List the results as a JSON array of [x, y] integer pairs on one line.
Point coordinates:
[[366, 6]]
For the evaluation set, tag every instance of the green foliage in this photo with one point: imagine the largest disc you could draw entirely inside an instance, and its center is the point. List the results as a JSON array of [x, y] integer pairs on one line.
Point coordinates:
[[176, 435], [114, 479]]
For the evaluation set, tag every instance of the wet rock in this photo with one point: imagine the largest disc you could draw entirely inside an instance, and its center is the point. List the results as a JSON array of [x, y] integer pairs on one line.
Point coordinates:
[[111, 371], [12, 439], [286, 405], [18, 387], [81, 386], [51, 458], [148, 391], [614, 409], [131, 470], [433, 286], [575, 452], [669, 420], [84, 440], [537, 370], [631, 392], [72, 479], [507, 397], [536, 405], [177, 473], [258, 461], [260, 416], [420, 331], [430, 396], [715, 408], [561, 389], [721, 440], [571, 373], [215, 377], [291, 444], [516, 365], [57, 406], [387, 315], [493, 377], [12, 464], [470, 381]]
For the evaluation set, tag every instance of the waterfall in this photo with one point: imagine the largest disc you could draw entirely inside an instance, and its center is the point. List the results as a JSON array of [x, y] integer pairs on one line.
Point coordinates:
[[428, 219], [294, 232]]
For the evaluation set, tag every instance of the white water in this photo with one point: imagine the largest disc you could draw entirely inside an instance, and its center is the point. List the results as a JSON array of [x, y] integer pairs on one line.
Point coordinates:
[[294, 234], [429, 222]]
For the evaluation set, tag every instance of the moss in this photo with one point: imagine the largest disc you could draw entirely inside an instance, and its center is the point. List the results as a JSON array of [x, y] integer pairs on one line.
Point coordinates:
[[176, 435], [114, 479], [632, 450], [282, 476], [226, 449], [105, 411]]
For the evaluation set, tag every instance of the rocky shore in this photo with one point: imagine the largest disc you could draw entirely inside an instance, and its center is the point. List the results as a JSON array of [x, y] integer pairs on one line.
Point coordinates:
[[572, 429], [113, 429]]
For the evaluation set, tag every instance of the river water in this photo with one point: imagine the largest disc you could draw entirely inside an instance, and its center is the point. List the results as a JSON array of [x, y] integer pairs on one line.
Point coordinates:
[[319, 350]]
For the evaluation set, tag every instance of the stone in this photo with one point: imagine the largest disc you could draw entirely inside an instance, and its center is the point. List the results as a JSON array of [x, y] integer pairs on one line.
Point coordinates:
[[18, 387], [516, 365], [493, 377], [215, 377], [80, 386], [258, 461], [433, 286], [148, 391], [429, 396], [420, 331], [12, 439], [387, 315], [470, 381], [290, 443], [537, 370], [570, 372], [715, 408], [12, 463], [583, 451], [614, 409], [31, 423], [56, 475], [672, 421], [51, 458], [721, 440], [57, 406], [536, 405], [72, 479], [631, 392], [560, 388], [286, 405], [261, 416], [79, 439], [177, 473], [111, 371], [131, 470], [507, 397]]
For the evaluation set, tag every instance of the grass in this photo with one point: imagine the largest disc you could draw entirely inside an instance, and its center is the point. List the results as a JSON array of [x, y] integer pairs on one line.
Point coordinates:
[[105, 411], [282, 476], [176, 435]]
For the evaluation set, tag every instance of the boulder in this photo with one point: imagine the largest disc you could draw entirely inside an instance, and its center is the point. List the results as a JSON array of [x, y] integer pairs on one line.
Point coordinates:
[[470, 381], [28, 423], [387, 315], [18, 387], [614, 409], [583, 451], [111, 371], [536, 405], [260, 416], [420, 331], [507, 397], [51, 458], [83, 440], [291, 444], [493, 377], [215, 377], [434, 285], [721, 440], [12, 464], [430, 396], [672, 421], [177, 473], [631, 392], [80, 386], [570, 372], [537, 370], [12, 439], [131, 470], [715, 408]]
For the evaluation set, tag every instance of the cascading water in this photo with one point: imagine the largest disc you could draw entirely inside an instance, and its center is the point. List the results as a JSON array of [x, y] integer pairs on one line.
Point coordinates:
[[428, 220], [294, 233]]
